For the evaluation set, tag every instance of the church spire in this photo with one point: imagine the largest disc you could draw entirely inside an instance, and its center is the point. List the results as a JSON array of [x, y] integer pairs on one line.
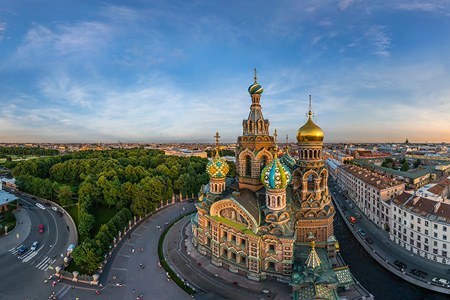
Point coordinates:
[[313, 260]]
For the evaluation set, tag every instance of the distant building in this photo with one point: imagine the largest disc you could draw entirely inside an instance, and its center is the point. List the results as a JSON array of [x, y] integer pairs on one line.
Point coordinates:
[[185, 152]]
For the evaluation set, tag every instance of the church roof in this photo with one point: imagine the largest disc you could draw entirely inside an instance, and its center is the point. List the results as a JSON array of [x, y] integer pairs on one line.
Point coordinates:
[[312, 291], [313, 260], [248, 199]]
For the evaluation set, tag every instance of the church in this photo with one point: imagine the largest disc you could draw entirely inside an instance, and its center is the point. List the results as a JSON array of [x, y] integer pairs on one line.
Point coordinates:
[[275, 219]]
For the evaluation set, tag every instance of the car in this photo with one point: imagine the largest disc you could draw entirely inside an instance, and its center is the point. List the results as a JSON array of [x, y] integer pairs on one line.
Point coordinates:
[[40, 206], [47, 204], [401, 265], [352, 219], [59, 213], [54, 208], [361, 232], [34, 246], [368, 240], [22, 250], [41, 228], [419, 273], [441, 281]]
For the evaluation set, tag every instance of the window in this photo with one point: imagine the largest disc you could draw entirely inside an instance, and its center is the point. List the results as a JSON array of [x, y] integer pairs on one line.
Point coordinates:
[[426, 223], [248, 166], [435, 243], [444, 237], [435, 226], [444, 253], [418, 237], [435, 251], [412, 226], [412, 217], [426, 231], [426, 240], [411, 234], [435, 234], [419, 245], [418, 220], [444, 245], [272, 247], [426, 248], [444, 228]]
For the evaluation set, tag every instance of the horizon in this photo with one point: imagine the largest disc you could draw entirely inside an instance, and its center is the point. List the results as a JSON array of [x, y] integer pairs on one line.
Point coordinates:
[[168, 72]]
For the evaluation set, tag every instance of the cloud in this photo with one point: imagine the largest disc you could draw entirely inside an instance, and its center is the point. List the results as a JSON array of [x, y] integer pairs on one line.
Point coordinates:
[[2, 30], [344, 4], [379, 39]]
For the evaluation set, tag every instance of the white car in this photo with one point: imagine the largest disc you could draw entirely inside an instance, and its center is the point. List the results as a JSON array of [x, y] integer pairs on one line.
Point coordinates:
[[54, 208], [40, 206], [34, 246], [441, 281]]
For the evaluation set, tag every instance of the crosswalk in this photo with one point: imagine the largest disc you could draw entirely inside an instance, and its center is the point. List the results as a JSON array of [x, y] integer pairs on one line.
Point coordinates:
[[33, 258]]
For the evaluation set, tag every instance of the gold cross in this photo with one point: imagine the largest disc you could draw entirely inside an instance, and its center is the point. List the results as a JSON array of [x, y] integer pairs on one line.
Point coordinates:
[[275, 134], [217, 136], [255, 74]]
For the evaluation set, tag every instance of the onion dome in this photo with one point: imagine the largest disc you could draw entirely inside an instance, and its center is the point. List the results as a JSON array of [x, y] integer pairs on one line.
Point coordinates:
[[275, 175], [255, 88], [217, 167], [288, 160], [310, 132]]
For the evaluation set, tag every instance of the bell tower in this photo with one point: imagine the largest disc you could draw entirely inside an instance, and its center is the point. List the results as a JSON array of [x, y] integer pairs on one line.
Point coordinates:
[[255, 148], [315, 215]]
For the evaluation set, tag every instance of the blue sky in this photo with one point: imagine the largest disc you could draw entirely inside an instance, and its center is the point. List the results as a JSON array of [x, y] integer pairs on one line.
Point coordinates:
[[144, 71]]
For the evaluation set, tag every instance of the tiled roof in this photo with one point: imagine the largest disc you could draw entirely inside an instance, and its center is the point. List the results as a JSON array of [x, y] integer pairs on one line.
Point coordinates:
[[371, 178], [427, 208]]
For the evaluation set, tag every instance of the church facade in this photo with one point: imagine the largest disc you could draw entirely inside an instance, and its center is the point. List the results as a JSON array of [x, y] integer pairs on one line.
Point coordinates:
[[277, 210]]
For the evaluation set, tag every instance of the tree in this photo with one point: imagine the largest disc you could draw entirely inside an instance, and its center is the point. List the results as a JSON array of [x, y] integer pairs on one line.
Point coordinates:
[[88, 256], [86, 223], [404, 167], [417, 163], [64, 195]]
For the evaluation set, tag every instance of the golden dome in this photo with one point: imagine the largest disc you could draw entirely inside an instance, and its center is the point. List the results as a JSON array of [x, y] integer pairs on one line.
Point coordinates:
[[310, 132]]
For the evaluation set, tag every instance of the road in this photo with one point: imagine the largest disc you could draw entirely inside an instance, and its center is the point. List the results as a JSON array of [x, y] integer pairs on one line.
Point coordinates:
[[33, 267], [150, 281]]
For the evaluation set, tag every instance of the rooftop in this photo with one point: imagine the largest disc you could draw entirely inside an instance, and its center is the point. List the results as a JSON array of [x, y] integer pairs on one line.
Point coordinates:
[[371, 178]]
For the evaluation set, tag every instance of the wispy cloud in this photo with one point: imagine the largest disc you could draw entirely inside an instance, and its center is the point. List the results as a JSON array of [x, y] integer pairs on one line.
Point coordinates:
[[2, 30], [379, 39]]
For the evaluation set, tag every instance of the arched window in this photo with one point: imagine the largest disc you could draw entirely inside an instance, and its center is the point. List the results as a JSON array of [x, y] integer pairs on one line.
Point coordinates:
[[248, 166], [263, 162]]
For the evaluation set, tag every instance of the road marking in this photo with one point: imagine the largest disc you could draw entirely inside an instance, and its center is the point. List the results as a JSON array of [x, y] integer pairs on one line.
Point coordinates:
[[29, 257], [120, 269], [63, 291], [137, 234], [128, 256], [144, 226], [130, 244], [43, 262]]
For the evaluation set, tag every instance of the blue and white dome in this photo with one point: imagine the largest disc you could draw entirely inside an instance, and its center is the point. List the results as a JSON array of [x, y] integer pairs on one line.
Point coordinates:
[[276, 175]]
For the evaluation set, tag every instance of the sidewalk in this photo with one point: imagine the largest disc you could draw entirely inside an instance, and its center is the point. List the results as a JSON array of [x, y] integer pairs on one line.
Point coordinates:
[[22, 229], [386, 251]]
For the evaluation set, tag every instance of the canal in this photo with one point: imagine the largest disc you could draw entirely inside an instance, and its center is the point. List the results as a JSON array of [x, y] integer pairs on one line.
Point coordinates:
[[377, 280]]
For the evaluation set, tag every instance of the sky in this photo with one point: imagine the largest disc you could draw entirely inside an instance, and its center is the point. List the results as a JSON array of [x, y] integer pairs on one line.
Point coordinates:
[[168, 71]]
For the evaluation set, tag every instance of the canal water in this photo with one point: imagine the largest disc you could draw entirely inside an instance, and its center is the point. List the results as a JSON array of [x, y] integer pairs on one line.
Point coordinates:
[[377, 280]]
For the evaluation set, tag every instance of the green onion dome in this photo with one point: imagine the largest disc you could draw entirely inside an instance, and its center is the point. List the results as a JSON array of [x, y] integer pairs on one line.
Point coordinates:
[[275, 175], [288, 160], [217, 167], [255, 88]]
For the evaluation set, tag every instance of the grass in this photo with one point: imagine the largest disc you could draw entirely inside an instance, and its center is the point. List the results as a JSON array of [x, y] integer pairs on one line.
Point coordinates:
[[239, 226], [102, 215], [73, 212]]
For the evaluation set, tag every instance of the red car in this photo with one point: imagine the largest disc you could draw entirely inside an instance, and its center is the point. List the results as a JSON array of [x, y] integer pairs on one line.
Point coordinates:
[[41, 228]]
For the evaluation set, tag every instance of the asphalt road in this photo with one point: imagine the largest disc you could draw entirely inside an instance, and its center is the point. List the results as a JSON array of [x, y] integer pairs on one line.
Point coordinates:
[[22, 276], [125, 278]]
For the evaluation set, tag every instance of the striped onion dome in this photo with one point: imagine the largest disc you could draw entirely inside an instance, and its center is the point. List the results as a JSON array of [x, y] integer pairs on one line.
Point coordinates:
[[276, 175], [255, 88], [217, 167], [288, 160]]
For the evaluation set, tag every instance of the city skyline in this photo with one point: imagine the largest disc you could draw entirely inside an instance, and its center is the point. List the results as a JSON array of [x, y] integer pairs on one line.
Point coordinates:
[[164, 72]]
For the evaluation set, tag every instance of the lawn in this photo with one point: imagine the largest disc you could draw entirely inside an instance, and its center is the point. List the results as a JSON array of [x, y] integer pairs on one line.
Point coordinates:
[[102, 215], [73, 212]]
